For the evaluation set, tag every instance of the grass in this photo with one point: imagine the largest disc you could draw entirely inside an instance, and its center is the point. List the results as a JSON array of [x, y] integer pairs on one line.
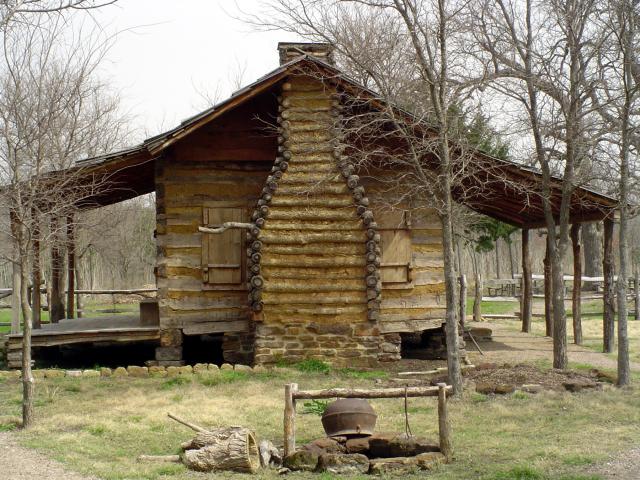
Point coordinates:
[[101, 431]]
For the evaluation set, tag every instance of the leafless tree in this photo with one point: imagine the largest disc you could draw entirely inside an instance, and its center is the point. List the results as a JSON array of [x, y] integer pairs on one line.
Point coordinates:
[[28, 11], [53, 111], [541, 55]]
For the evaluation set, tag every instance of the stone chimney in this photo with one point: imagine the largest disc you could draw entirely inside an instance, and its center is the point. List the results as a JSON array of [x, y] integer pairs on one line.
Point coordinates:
[[290, 50]]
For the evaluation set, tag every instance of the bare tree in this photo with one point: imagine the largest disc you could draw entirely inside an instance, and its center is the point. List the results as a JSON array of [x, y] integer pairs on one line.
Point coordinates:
[[541, 55], [27, 11], [52, 112]]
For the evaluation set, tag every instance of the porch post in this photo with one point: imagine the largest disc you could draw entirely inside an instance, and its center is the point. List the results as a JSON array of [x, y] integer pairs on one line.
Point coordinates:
[[56, 308], [15, 280], [548, 306], [576, 296], [71, 268], [608, 297], [36, 276], [526, 292]]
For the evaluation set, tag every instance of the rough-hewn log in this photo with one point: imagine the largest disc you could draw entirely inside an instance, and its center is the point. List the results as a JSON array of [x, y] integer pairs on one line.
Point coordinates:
[[226, 449], [608, 324], [444, 427], [369, 393], [548, 306], [290, 418]]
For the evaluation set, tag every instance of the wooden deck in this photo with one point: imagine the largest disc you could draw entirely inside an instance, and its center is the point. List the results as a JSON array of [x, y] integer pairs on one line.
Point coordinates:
[[118, 328]]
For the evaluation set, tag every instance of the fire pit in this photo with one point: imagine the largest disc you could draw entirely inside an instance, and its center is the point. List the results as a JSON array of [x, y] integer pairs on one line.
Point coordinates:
[[350, 417]]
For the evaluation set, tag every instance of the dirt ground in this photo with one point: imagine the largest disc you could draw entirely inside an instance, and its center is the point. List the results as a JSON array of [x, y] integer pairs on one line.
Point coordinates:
[[625, 466], [19, 463]]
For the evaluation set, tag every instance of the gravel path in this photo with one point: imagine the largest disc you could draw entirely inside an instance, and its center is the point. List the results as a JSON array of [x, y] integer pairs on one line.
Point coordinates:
[[625, 466], [19, 463]]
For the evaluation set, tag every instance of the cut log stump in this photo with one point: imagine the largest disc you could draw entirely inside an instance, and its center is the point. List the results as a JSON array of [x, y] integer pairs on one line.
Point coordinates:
[[225, 449]]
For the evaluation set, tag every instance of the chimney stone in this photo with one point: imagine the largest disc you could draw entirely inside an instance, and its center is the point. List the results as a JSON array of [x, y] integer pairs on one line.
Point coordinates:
[[290, 50]]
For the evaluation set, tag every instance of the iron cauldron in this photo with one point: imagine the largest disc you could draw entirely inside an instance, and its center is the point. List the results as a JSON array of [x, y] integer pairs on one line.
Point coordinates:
[[350, 417]]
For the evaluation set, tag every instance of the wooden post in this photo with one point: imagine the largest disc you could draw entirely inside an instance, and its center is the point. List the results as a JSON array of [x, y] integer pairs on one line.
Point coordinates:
[[36, 277], [444, 428], [636, 292], [526, 292], [56, 305], [463, 300], [548, 306], [15, 280], [289, 418], [576, 294], [71, 268], [608, 297]]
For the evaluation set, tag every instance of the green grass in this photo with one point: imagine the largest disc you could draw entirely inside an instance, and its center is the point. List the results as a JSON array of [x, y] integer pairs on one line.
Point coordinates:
[[101, 431]]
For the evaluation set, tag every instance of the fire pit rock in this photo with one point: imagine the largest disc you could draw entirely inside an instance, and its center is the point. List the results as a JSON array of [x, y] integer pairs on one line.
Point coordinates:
[[396, 465], [343, 464]]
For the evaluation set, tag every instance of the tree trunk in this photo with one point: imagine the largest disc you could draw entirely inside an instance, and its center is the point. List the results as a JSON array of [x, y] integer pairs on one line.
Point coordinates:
[[497, 250], [225, 449], [511, 259], [79, 303], [560, 359], [451, 324], [463, 301], [576, 294], [548, 306], [27, 375], [15, 279], [608, 297], [592, 246], [477, 298], [636, 293]]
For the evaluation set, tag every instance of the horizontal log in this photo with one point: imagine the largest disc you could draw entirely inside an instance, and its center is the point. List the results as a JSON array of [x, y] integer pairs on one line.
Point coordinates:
[[335, 248], [305, 201], [407, 326], [312, 261], [413, 314], [314, 285], [311, 178], [368, 393], [304, 273], [217, 327], [277, 237], [286, 311], [315, 225]]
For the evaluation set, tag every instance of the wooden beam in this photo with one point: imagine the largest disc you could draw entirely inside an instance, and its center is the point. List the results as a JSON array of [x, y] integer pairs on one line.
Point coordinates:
[[527, 287], [576, 294], [444, 427], [289, 419], [548, 307], [15, 281], [71, 268], [56, 307], [608, 319], [36, 276]]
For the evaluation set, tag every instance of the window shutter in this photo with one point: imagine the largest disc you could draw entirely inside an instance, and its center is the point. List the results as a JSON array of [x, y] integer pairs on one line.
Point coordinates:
[[222, 259], [396, 256]]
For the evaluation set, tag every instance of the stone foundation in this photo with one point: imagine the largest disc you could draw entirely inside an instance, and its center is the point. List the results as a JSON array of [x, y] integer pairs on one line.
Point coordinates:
[[238, 347], [342, 345]]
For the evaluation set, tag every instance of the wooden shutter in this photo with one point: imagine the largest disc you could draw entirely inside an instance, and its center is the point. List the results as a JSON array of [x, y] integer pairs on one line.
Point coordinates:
[[222, 259], [396, 256]]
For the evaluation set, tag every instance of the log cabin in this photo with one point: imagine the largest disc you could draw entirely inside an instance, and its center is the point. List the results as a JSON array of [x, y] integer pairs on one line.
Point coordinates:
[[270, 237]]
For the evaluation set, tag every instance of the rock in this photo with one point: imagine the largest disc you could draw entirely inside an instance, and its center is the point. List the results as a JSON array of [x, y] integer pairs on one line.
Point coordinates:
[[358, 445], [604, 376], [269, 454], [485, 388], [242, 368], [172, 371], [91, 373], [226, 366], [185, 370], [387, 446], [480, 333], [54, 373], [486, 366], [105, 372], [74, 373], [343, 464], [430, 460], [259, 369], [120, 372], [200, 367], [139, 372], [324, 445], [283, 471], [504, 388], [578, 384], [37, 373], [157, 371], [381, 466], [531, 388], [212, 367], [302, 460]]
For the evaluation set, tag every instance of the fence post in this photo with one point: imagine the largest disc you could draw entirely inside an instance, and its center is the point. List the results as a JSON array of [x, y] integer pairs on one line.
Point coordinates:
[[289, 418], [443, 423]]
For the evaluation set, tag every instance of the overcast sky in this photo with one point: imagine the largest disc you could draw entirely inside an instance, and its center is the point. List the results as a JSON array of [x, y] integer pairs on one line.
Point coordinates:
[[178, 48]]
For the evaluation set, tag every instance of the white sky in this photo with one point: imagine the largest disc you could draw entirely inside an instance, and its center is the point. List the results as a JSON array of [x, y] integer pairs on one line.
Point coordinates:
[[178, 48]]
